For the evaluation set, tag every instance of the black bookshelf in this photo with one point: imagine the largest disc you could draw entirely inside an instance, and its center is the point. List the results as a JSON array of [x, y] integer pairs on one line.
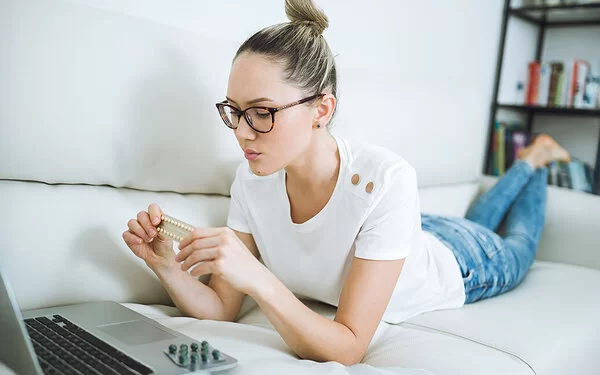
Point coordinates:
[[558, 111], [544, 17], [563, 15]]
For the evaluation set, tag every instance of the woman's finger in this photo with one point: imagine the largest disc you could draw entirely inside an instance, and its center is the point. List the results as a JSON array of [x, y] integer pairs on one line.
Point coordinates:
[[155, 213], [200, 256], [144, 220], [203, 268], [198, 233], [135, 227], [198, 244], [131, 239]]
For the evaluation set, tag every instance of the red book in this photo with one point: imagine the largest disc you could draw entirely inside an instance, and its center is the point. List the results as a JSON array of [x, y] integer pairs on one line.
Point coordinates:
[[533, 82]]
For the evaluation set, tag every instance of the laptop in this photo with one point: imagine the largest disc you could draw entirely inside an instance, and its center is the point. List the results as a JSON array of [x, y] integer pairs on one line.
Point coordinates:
[[97, 338]]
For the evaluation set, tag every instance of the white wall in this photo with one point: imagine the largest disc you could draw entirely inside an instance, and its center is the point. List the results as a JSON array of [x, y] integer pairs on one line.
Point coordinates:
[[123, 92]]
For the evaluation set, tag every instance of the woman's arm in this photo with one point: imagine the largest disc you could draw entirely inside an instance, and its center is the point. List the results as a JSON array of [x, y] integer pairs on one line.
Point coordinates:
[[216, 301], [364, 298]]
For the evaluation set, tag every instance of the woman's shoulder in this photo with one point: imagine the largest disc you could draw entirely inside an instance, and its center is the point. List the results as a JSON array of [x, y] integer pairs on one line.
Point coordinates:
[[376, 164]]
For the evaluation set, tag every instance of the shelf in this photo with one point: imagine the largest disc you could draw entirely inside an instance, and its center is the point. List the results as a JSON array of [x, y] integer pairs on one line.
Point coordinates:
[[560, 15], [560, 111]]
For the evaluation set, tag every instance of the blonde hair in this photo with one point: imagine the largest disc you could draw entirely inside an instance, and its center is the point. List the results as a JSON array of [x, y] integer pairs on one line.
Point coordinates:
[[299, 47]]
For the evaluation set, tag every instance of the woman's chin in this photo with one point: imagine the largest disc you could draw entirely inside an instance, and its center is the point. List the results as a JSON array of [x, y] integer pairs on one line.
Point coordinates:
[[260, 170]]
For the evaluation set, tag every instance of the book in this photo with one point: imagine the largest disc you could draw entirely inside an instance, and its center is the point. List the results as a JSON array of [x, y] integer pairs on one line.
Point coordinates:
[[555, 89], [579, 182], [533, 82], [578, 80], [500, 154], [520, 141], [553, 173], [493, 158], [509, 156], [597, 174], [589, 176], [544, 84], [563, 177]]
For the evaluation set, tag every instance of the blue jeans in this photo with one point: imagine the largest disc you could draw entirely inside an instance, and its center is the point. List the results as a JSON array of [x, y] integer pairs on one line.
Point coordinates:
[[491, 263]]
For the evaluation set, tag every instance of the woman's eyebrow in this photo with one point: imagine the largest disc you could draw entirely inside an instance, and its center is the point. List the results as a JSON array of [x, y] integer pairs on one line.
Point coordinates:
[[257, 100]]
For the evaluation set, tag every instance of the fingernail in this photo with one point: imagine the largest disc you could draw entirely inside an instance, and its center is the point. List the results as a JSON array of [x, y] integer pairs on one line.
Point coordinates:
[[156, 220], [152, 232], [138, 241]]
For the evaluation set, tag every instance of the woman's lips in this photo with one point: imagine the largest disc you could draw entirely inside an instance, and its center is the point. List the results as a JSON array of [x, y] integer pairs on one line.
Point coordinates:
[[251, 154]]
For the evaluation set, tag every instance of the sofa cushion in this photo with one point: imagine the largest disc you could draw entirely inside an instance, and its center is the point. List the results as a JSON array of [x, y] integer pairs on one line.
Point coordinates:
[[62, 244], [546, 325], [549, 321], [397, 350], [450, 200], [70, 235], [108, 98]]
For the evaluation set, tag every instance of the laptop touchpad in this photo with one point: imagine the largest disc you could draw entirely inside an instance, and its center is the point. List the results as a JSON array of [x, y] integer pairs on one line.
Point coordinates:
[[136, 332]]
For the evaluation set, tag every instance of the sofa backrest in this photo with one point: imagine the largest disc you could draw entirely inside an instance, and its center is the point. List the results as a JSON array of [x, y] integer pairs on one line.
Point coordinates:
[[125, 95], [106, 106]]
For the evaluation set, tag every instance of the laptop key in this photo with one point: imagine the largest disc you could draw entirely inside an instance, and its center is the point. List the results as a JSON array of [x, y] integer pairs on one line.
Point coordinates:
[[117, 356]]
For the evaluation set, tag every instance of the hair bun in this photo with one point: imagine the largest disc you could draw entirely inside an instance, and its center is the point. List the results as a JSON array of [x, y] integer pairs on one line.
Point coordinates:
[[305, 11]]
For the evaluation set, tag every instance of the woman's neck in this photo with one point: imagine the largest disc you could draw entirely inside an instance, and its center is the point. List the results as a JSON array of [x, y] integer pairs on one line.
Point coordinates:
[[318, 167]]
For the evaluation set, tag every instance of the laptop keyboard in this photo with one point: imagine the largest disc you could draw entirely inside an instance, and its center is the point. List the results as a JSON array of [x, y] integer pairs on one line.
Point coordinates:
[[64, 348]]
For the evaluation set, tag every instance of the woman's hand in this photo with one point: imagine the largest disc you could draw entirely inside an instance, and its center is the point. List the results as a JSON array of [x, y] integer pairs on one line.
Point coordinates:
[[145, 241], [219, 251]]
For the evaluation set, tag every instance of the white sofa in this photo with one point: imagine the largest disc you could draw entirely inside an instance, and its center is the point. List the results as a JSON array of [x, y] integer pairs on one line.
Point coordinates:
[[103, 112]]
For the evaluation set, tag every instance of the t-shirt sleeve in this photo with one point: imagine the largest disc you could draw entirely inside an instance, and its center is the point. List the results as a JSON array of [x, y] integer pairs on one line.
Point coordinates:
[[393, 225], [237, 216]]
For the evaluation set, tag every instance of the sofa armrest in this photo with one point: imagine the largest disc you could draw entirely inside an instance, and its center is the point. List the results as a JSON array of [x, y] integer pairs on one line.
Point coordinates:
[[572, 229]]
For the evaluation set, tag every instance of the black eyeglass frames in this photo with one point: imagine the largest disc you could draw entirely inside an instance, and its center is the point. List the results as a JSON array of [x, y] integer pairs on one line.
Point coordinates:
[[261, 119]]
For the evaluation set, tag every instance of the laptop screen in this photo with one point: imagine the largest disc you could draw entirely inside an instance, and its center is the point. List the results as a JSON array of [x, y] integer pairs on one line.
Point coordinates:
[[16, 350]]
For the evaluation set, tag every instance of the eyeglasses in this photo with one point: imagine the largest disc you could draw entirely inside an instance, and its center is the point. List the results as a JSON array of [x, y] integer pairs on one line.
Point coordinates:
[[261, 119]]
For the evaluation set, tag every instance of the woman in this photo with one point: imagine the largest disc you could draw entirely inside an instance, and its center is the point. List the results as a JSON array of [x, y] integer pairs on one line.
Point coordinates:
[[333, 220]]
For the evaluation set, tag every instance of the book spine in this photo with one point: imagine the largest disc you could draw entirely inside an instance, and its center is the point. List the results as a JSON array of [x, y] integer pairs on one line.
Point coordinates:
[[597, 174], [564, 179], [566, 85], [494, 169], [552, 173], [501, 149], [533, 82], [555, 81], [508, 148], [519, 142], [544, 85], [572, 89], [580, 79], [589, 177], [577, 174]]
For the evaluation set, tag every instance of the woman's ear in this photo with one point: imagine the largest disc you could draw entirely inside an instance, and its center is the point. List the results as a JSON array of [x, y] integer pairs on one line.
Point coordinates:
[[325, 108]]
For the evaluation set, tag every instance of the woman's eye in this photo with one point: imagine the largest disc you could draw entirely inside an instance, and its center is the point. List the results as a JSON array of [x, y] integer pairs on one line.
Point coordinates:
[[263, 114]]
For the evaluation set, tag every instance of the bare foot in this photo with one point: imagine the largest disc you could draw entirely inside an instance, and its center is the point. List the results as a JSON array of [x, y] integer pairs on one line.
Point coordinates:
[[542, 151]]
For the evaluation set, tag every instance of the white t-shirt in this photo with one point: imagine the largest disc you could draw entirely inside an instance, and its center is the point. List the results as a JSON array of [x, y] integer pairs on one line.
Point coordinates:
[[313, 258]]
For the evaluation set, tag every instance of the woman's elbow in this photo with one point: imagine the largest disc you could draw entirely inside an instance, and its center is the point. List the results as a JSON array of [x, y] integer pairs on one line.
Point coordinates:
[[346, 357]]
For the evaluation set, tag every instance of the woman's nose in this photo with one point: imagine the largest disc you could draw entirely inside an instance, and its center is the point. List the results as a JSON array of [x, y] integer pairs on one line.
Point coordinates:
[[244, 130]]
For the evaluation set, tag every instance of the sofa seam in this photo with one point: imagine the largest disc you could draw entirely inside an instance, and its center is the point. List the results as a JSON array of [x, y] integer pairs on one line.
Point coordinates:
[[475, 341], [109, 186]]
